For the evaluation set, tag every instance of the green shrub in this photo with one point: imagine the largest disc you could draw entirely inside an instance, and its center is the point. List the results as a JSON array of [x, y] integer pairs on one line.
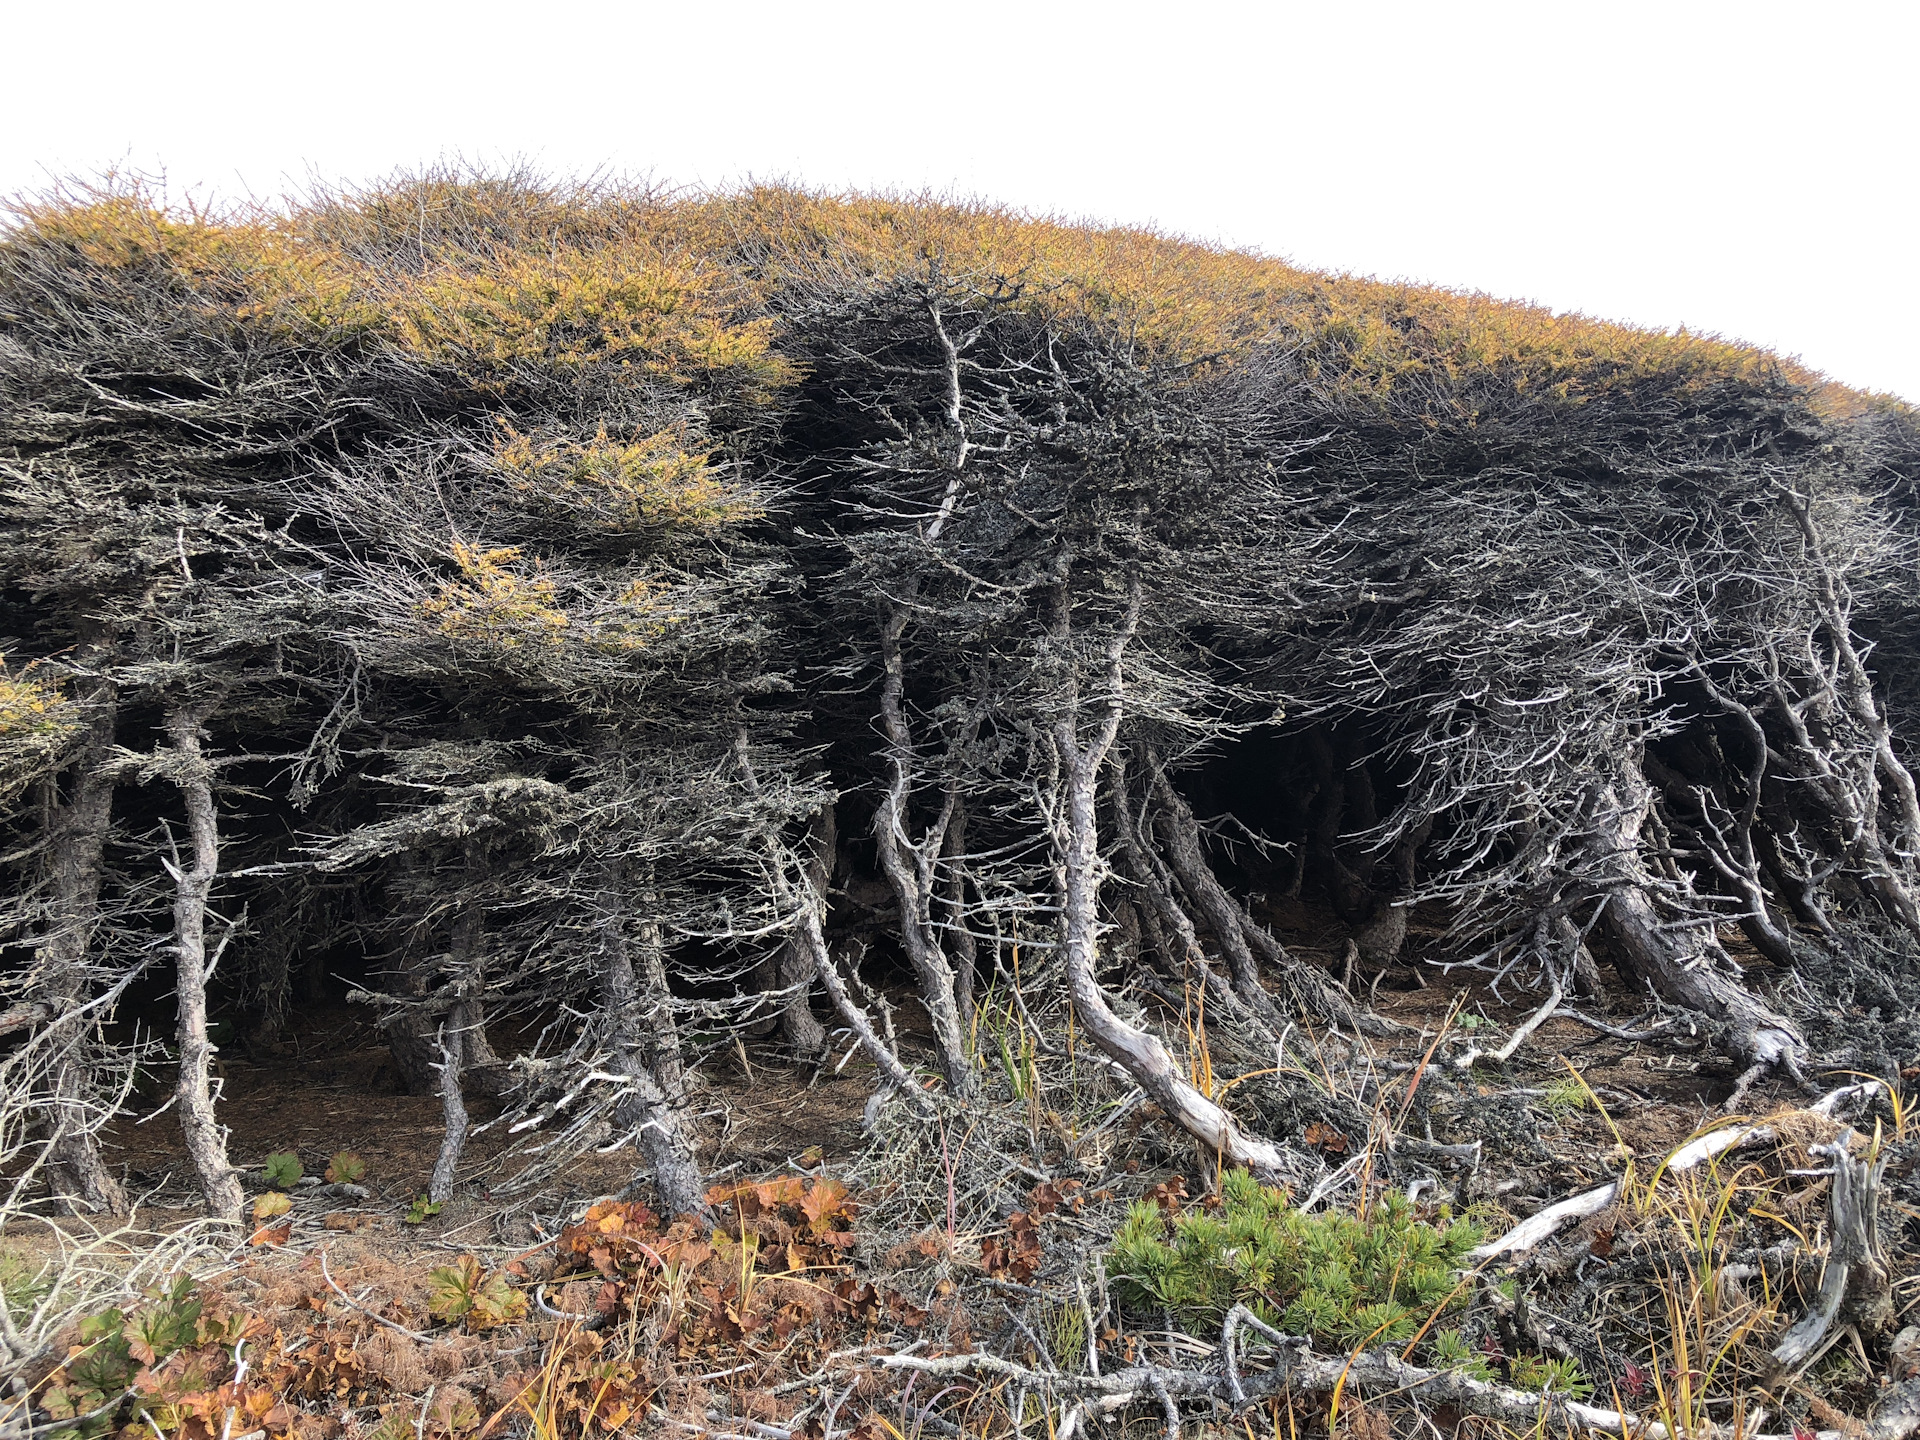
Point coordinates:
[[1340, 1280], [1333, 1277], [1450, 1351], [283, 1170]]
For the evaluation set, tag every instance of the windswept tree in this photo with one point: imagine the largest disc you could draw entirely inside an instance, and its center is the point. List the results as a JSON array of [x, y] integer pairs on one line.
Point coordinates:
[[145, 410]]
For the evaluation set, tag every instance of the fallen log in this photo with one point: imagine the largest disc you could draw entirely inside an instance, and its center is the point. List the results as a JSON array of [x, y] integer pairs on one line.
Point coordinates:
[[1294, 1368]]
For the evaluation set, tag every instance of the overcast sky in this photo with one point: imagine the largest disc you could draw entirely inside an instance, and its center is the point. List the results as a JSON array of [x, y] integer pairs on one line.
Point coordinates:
[[1744, 168]]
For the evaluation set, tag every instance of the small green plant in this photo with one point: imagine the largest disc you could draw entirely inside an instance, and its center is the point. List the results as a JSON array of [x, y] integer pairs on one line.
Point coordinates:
[[1067, 1324], [1563, 1097], [1536, 1375], [283, 1170], [465, 1292], [422, 1210], [1332, 1276], [1451, 1351], [345, 1168], [90, 1380], [117, 1347]]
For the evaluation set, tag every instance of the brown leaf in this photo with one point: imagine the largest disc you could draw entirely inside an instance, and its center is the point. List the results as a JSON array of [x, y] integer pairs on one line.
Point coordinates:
[[1325, 1137], [824, 1203], [1169, 1195]]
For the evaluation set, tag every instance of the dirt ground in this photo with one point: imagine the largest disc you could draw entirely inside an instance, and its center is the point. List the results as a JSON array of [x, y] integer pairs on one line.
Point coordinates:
[[335, 1089]]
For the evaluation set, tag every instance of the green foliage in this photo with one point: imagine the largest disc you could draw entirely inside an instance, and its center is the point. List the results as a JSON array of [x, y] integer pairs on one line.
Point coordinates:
[[345, 1168], [283, 1170], [1332, 1276], [1564, 1097], [1067, 1330], [1451, 1351], [421, 1211], [465, 1292], [116, 1346], [1536, 1374]]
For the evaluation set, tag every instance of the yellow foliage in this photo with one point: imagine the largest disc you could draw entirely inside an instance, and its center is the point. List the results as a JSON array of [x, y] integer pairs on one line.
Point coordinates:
[[1186, 301], [491, 601], [33, 709], [489, 274], [256, 269], [38, 724], [499, 600], [625, 290], [637, 617], [573, 308], [652, 481]]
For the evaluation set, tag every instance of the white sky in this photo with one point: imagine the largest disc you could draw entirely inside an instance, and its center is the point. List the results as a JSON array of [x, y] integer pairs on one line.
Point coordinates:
[[1745, 168]]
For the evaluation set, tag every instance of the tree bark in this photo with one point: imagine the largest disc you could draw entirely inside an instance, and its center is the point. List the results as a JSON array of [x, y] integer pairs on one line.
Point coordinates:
[[646, 1050], [1141, 1054], [1351, 807], [1855, 1284], [1169, 928], [206, 1137], [1853, 683], [966, 950], [1726, 840], [1180, 841], [911, 868], [794, 968], [483, 1072], [74, 864], [409, 1032], [452, 1040], [1685, 965]]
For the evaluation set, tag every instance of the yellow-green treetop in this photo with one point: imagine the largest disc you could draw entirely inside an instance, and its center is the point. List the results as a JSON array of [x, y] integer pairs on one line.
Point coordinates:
[[487, 275]]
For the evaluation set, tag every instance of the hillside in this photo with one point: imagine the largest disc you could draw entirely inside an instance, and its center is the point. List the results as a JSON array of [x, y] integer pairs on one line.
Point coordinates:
[[1053, 826]]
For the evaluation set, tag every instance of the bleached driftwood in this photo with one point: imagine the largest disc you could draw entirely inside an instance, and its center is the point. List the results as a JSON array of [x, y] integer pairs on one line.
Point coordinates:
[[1697, 1151], [1856, 1278]]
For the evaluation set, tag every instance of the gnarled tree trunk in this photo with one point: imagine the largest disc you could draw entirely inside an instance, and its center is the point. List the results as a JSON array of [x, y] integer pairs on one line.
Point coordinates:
[[911, 868], [1245, 943], [1683, 964], [452, 1041], [74, 861], [794, 970], [645, 1046], [1140, 1054], [206, 1137]]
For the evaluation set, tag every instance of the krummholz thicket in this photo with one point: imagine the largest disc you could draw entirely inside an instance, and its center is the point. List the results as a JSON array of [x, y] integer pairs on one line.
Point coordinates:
[[648, 623]]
